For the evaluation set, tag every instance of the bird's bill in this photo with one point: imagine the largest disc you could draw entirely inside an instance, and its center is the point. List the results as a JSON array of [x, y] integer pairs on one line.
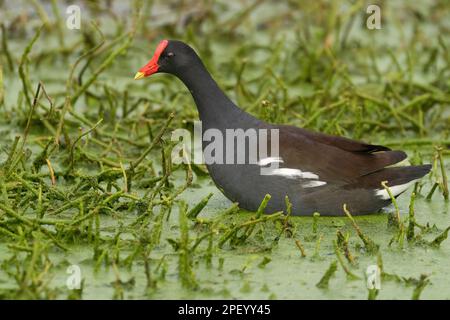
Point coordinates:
[[139, 75], [152, 66]]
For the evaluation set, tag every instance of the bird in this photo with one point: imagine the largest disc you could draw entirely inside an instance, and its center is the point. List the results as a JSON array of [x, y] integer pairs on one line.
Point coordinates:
[[317, 172]]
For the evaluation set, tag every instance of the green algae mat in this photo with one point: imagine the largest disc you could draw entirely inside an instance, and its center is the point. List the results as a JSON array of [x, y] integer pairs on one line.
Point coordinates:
[[93, 207]]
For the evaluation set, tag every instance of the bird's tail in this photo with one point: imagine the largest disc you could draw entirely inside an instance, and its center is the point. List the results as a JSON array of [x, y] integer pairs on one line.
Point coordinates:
[[398, 179]]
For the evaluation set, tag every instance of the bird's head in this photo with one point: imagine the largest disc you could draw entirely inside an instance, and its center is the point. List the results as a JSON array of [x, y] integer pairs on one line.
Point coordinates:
[[170, 56]]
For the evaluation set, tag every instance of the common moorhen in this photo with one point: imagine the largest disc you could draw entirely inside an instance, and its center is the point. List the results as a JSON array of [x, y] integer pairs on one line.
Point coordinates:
[[318, 172]]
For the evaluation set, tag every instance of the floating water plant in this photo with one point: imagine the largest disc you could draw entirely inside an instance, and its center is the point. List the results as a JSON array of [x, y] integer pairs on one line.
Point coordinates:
[[370, 246], [185, 263], [420, 286], [105, 195], [194, 212], [300, 247], [342, 242], [347, 271], [324, 281]]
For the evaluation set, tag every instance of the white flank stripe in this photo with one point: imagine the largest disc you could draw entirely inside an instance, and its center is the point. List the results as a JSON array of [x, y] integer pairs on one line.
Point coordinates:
[[290, 173], [293, 173], [266, 161], [395, 190], [313, 184]]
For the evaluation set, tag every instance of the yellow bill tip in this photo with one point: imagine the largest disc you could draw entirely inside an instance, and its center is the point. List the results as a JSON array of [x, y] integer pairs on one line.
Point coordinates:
[[139, 75]]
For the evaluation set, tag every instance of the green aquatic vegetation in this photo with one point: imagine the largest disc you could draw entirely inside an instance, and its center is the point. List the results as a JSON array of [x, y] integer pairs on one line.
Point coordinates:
[[347, 271], [370, 246], [235, 237], [314, 228], [246, 288], [2, 87], [287, 225], [238, 235], [264, 262], [440, 238], [372, 294], [300, 247], [262, 206], [418, 283], [324, 281], [411, 219], [439, 173], [30, 272], [398, 222], [185, 263], [342, 243], [210, 250], [5, 48], [432, 190], [119, 285], [24, 74], [195, 211], [316, 254], [316, 216], [107, 196], [71, 156], [419, 286], [444, 183], [76, 294]]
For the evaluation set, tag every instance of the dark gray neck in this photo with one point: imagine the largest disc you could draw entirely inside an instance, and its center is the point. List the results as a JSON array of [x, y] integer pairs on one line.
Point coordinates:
[[214, 107]]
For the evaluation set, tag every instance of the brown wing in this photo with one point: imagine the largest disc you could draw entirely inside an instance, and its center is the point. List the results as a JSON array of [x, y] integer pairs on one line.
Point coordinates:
[[336, 141], [334, 159]]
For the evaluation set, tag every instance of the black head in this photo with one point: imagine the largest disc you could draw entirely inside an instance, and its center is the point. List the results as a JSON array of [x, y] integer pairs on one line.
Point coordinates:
[[171, 56]]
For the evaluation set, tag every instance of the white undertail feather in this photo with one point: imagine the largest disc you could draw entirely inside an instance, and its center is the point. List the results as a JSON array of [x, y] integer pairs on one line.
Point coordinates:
[[395, 190], [404, 163]]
